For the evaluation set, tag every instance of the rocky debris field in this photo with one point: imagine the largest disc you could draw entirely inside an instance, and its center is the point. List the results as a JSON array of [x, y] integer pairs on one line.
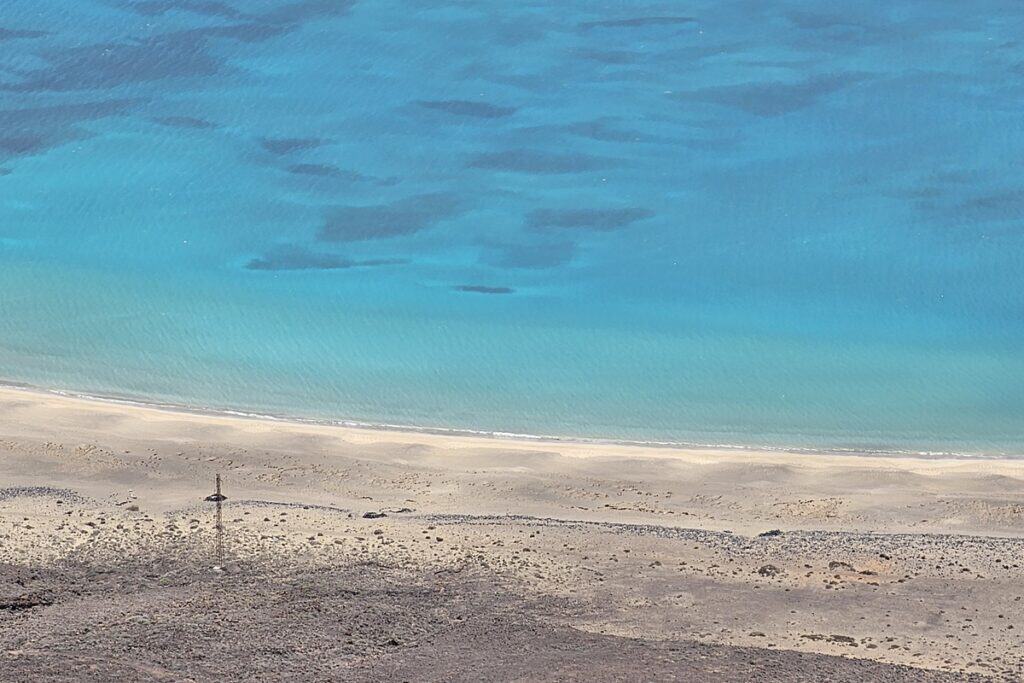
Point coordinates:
[[174, 619]]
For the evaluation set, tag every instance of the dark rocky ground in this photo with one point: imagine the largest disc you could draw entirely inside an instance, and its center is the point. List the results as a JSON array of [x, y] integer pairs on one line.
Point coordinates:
[[156, 619]]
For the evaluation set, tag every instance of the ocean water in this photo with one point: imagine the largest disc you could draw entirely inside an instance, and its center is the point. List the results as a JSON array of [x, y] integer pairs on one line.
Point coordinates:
[[752, 222]]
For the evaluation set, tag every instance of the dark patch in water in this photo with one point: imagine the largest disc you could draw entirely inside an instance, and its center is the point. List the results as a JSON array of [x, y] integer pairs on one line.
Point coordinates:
[[244, 33], [531, 255], [402, 217], [481, 110], [998, 206], [326, 171], [16, 34], [599, 220], [483, 289], [602, 130], [965, 203], [178, 54], [298, 258], [599, 130], [985, 215], [637, 22], [288, 14], [184, 122], [108, 65], [282, 146], [540, 163], [57, 115], [25, 132], [771, 98], [209, 8], [5, 171], [26, 144], [308, 10], [813, 21], [609, 56], [830, 30], [512, 32]]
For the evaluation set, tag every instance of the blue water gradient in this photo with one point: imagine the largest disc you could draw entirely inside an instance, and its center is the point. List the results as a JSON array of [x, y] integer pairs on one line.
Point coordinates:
[[720, 221]]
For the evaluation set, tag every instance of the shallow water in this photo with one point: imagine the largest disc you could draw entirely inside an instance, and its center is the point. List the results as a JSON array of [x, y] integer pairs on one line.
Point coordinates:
[[786, 224]]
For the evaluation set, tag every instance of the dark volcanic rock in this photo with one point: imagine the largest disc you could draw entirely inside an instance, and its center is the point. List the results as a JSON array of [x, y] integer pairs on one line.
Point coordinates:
[[165, 619], [22, 602]]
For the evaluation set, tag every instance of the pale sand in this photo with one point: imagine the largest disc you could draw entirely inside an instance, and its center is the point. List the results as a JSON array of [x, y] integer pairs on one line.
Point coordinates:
[[897, 560]]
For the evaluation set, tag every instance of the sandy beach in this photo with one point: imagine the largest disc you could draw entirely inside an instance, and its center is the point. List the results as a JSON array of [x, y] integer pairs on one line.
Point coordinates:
[[358, 554]]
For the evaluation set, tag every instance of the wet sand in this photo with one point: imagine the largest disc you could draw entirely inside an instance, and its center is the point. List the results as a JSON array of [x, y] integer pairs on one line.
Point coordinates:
[[352, 554]]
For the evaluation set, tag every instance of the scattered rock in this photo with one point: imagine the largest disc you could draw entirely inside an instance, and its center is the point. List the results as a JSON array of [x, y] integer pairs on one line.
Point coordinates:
[[769, 570], [835, 564], [21, 602], [373, 515], [843, 640], [833, 638]]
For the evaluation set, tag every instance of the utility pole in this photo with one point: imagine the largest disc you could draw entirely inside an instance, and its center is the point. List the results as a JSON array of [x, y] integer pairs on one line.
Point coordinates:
[[218, 498]]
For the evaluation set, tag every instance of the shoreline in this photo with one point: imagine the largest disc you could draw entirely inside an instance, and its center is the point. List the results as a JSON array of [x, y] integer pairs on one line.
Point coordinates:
[[895, 567], [499, 436]]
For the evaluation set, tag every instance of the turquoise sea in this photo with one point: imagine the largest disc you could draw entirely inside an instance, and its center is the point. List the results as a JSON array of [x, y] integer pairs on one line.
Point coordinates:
[[752, 222]]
